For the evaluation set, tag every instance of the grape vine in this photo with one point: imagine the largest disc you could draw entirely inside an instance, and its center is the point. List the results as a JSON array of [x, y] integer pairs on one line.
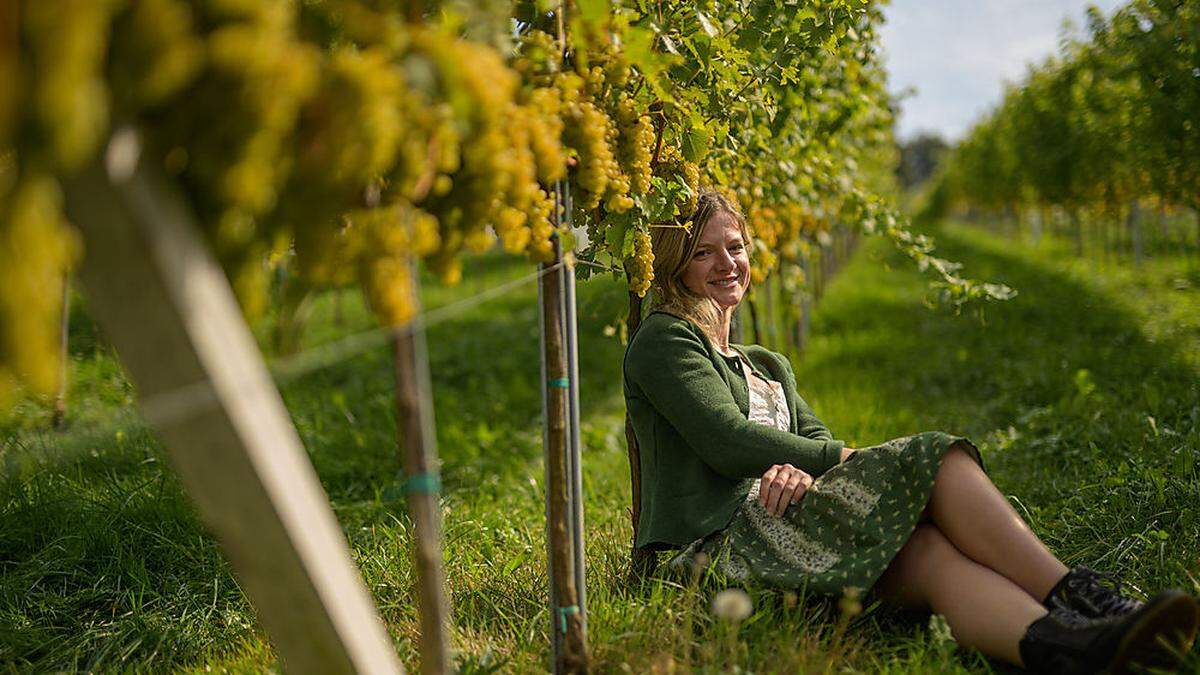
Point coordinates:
[[352, 139]]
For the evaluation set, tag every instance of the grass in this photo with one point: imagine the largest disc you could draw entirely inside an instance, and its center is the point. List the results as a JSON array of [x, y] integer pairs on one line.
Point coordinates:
[[1082, 393]]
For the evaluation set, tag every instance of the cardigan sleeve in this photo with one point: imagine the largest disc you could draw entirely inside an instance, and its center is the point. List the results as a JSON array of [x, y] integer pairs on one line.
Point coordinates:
[[673, 371], [807, 423]]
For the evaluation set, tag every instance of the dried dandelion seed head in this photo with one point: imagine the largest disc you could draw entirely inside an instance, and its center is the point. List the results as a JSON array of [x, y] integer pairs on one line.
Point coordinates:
[[732, 604]]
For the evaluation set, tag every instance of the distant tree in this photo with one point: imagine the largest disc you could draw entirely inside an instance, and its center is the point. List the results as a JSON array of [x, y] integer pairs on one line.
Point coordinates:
[[919, 158]]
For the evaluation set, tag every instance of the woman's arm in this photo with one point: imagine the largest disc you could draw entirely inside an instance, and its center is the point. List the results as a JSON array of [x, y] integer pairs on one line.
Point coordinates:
[[672, 370]]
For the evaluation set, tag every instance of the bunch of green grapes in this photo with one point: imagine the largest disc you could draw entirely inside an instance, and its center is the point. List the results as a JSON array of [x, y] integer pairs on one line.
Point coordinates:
[[155, 53], [368, 143], [793, 218], [616, 66], [538, 58], [36, 248], [524, 222], [594, 83], [383, 245], [353, 131], [227, 136], [54, 112], [545, 133], [479, 90], [636, 145], [64, 88], [765, 226], [589, 132], [640, 266], [674, 167], [616, 197], [605, 72], [510, 150]]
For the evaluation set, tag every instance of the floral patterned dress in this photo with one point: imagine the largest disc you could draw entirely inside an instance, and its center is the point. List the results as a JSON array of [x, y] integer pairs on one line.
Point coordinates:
[[846, 528]]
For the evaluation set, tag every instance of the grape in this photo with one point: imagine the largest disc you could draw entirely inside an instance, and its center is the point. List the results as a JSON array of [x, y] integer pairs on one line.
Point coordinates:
[[155, 53], [36, 249], [640, 266], [67, 41], [587, 132]]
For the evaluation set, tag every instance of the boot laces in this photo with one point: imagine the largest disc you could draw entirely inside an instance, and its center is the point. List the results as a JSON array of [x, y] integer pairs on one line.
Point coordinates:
[[1102, 591]]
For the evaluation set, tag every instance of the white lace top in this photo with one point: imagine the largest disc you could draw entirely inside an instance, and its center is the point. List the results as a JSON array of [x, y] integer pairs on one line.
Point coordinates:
[[768, 406]]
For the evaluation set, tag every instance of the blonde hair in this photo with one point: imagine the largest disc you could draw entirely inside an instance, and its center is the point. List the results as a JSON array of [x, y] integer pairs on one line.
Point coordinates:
[[674, 247]]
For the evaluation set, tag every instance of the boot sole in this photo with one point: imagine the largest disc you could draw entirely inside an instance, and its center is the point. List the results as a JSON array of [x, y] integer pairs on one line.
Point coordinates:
[[1159, 639]]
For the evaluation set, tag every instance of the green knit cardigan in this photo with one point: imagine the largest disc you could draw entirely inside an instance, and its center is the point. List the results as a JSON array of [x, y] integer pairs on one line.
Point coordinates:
[[689, 405]]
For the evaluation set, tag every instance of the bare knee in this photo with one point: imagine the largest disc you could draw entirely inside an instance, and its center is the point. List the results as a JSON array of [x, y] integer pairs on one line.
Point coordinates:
[[956, 461], [907, 579], [957, 455]]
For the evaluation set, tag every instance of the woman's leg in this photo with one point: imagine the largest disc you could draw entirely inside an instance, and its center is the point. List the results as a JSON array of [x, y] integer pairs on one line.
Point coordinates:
[[980, 522], [984, 610]]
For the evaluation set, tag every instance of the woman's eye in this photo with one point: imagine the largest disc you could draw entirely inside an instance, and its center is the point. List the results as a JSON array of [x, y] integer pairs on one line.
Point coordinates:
[[700, 254]]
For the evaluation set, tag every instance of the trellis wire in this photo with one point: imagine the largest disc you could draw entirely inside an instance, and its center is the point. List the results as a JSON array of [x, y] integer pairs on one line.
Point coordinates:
[[191, 399]]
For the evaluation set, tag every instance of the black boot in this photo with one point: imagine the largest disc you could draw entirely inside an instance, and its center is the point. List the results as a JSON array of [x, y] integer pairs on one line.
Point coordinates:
[[1092, 594], [1158, 634]]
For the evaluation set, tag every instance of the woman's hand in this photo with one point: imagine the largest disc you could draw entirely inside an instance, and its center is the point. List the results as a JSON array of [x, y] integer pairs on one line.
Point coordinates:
[[846, 452], [782, 485]]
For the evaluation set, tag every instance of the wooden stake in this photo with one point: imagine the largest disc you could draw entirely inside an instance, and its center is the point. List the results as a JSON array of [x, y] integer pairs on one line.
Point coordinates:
[[571, 654], [418, 447], [1134, 220], [59, 419], [771, 320], [169, 311]]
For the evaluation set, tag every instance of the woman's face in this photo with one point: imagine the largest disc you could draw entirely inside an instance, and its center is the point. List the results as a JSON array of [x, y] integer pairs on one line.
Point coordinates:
[[720, 267]]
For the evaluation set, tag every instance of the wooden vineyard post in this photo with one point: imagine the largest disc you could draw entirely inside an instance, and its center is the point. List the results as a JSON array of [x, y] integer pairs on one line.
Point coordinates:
[[566, 614], [202, 382], [416, 430], [805, 304], [769, 287], [59, 419], [1134, 220]]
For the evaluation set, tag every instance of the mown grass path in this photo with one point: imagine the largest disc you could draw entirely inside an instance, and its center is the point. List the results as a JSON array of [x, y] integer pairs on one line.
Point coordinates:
[[1082, 393]]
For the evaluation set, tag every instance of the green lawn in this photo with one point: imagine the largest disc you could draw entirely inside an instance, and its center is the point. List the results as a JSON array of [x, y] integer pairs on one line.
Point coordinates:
[[1082, 393]]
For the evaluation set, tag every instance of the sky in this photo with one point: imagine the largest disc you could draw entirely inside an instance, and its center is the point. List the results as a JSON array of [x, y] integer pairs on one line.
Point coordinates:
[[957, 54]]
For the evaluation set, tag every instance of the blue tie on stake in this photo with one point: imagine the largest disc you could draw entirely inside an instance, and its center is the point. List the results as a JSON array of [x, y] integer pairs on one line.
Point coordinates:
[[561, 383], [562, 616], [428, 483]]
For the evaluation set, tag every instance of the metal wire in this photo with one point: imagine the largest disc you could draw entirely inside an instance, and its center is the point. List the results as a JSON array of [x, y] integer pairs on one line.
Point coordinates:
[[189, 400]]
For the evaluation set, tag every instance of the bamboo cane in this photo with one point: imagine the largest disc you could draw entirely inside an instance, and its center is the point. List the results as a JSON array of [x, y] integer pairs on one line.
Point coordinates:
[[575, 454]]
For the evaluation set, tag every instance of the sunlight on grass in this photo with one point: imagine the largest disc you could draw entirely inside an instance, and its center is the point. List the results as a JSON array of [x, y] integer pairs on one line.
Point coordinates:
[[1082, 393]]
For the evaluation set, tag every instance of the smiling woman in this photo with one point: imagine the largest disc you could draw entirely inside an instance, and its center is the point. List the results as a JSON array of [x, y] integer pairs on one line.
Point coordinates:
[[735, 465]]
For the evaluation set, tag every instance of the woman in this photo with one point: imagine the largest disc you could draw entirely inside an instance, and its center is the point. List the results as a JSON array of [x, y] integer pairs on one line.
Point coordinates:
[[916, 520]]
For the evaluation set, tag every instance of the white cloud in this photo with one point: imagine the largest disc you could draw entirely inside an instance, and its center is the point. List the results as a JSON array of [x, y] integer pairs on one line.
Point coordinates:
[[958, 53]]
